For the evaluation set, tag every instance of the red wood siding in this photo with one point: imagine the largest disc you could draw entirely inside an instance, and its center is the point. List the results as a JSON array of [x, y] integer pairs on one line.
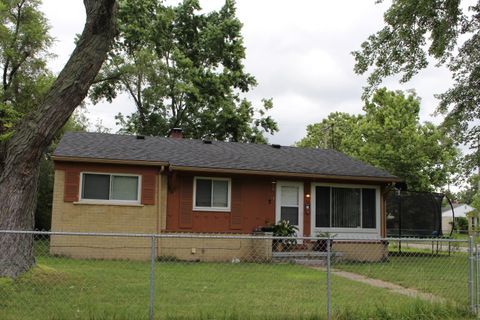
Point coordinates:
[[72, 185], [236, 219], [252, 205], [73, 170], [148, 188], [186, 198]]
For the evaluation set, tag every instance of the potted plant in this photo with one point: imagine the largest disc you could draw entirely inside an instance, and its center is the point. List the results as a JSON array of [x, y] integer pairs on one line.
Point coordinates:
[[322, 244], [283, 228]]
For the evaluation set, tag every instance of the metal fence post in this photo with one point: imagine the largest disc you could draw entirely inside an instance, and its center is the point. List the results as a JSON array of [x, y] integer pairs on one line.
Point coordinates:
[[471, 289], [153, 255], [477, 275], [329, 289]]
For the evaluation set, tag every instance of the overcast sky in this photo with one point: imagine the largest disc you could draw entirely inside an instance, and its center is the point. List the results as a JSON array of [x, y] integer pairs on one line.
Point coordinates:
[[299, 51]]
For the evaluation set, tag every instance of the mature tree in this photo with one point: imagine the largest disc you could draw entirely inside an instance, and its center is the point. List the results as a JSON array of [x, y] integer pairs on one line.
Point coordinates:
[[337, 131], [26, 139], [395, 140], [182, 68], [467, 193], [390, 136], [416, 30], [24, 41]]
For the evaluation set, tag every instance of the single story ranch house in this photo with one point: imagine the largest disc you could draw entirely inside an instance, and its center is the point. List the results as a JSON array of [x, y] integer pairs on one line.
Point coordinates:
[[136, 184]]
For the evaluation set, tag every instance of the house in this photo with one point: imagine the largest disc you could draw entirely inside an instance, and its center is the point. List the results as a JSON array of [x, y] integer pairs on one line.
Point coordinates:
[[137, 184], [461, 210]]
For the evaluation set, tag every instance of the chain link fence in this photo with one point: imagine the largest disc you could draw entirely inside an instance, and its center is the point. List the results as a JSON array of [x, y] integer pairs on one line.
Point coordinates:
[[200, 276]]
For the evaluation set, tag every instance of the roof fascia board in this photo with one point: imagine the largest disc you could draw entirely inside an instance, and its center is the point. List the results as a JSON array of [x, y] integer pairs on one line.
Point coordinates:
[[285, 174], [110, 161]]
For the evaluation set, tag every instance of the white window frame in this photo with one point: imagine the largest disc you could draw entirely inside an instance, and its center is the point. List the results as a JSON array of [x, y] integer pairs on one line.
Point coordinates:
[[219, 209], [110, 201], [346, 232]]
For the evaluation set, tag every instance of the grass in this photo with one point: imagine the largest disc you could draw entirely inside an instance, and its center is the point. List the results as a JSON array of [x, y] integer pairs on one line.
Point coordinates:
[[63, 288], [465, 237], [441, 275]]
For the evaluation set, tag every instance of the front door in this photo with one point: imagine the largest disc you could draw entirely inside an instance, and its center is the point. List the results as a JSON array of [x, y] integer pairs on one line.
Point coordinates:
[[289, 204]]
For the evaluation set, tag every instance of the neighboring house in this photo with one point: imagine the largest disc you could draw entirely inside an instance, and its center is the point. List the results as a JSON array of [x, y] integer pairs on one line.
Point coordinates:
[[461, 210], [136, 184]]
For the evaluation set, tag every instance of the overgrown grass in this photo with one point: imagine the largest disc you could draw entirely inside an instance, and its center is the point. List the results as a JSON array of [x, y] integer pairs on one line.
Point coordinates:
[[63, 288]]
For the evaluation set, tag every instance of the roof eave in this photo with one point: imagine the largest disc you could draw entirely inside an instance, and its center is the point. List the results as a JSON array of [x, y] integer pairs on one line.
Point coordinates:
[[109, 161], [286, 174]]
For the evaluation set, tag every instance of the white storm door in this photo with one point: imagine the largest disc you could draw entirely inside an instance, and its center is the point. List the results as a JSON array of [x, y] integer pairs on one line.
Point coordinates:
[[289, 204]]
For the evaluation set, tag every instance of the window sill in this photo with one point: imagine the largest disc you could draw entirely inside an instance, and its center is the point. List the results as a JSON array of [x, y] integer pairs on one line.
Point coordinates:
[[109, 203], [203, 209]]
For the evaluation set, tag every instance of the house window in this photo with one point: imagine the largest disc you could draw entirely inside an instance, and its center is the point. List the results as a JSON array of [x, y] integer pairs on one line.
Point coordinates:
[[289, 204], [110, 187], [342, 207], [212, 194]]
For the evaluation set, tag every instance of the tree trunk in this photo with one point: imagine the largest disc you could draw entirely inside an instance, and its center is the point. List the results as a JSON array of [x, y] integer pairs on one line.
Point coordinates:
[[20, 155]]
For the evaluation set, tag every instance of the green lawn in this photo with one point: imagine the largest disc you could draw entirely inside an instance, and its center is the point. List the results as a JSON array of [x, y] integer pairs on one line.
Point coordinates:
[[465, 237], [442, 275], [62, 288]]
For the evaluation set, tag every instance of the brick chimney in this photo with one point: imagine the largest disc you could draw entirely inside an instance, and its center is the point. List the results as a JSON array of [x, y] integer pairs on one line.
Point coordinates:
[[176, 133]]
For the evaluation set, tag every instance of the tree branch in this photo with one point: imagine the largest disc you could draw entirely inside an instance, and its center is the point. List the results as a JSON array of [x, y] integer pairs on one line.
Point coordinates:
[[17, 17], [116, 76], [36, 131]]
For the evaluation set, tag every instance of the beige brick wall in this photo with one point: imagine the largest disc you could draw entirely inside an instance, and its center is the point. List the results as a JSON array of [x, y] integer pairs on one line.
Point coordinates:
[[200, 249], [361, 251], [76, 217]]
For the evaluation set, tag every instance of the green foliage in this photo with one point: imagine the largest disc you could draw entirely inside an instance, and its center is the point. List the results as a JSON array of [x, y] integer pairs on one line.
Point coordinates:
[[476, 201], [414, 31], [24, 44], [461, 225], [390, 136], [334, 132], [284, 228], [24, 41], [466, 195], [183, 69]]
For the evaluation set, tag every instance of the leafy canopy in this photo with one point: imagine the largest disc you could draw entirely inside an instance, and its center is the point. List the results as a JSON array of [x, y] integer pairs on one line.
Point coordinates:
[[183, 69], [390, 136], [25, 79], [418, 29], [24, 44]]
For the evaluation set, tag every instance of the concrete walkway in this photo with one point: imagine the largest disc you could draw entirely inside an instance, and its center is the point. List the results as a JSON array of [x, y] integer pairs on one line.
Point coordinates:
[[389, 286], [425, 246], [413, 293]]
